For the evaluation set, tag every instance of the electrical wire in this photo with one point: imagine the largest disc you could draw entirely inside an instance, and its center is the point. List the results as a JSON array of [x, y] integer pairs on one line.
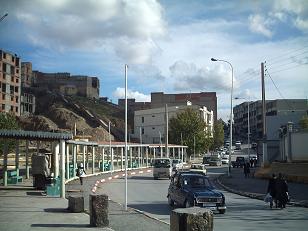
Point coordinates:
[[279, 92]]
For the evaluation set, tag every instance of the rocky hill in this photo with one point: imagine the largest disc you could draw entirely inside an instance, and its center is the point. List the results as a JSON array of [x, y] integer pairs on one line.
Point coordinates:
[[55, 112]]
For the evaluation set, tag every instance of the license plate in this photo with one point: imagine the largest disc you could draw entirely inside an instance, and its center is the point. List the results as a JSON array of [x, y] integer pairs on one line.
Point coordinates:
[[209, 205]]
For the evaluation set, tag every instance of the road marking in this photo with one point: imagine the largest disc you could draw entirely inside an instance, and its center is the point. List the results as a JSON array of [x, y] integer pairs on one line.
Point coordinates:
[[110, 178], [140, 171], [102, 180], [133, 173], [116, 176]]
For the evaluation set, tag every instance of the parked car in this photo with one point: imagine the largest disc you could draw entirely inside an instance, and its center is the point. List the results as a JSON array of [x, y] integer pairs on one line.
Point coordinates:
[[239, 162], [177, 163], [201, 168], [162, 168], [225, 160], [189, 189], [215, 161], [238, 145], [206, 160]]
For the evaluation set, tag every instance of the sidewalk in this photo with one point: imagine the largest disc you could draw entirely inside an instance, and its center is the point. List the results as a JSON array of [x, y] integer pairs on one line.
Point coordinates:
[[256, 188], [22, 208]]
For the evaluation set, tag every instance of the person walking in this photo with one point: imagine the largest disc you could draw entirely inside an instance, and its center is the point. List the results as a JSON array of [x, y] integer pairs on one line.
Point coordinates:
[[80, 172], [282, 194], [246, 169], [271, 189]]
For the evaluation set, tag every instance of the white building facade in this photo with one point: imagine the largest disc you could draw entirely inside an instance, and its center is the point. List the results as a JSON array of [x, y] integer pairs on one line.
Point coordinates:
[[150, 124]]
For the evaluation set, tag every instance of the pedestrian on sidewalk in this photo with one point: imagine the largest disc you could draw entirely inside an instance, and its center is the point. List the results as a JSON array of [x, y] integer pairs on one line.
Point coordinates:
[[271, 189], [246, 169], [282, 194], [80, 172]]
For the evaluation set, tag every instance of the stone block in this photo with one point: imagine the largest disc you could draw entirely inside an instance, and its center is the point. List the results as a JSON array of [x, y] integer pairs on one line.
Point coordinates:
[[191, 219], [99, 210], [76, 204]]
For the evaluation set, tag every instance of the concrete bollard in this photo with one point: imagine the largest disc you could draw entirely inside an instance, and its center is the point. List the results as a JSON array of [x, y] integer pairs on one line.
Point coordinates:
[[99, 210], [191, 219], [76, 204]]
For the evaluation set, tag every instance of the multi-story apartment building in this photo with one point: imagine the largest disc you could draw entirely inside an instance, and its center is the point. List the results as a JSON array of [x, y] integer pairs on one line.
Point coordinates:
[[132, 105], [278, 112], [10, 69], [67, 84], [27, 102], [151, 123], [206, 99]]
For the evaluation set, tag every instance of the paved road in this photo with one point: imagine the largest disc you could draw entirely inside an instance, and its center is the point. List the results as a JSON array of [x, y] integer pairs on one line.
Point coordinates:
[[243, 213]]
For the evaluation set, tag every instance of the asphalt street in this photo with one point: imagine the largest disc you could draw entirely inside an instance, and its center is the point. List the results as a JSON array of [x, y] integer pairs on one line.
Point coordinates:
[[243, 213]]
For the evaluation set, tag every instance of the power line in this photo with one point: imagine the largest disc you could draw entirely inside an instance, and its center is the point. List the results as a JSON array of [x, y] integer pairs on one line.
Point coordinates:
[[288, 58], [287, 53], [279, 92], [285, 69]]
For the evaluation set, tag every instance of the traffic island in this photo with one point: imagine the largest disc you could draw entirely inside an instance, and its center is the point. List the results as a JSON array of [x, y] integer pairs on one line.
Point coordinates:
[[191, 219]]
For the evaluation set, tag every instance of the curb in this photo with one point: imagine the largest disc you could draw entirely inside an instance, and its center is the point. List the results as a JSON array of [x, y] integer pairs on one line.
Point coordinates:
[[257, 195]]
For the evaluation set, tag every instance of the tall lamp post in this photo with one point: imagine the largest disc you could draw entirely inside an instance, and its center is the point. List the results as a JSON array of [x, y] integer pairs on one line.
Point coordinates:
[[248, 124], [231, 113], [1, 19], [126, 66]]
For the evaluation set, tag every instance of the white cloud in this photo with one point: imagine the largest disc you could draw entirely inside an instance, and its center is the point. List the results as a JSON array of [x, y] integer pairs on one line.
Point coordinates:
[[296, 10], [128, 26], [189, 76], [260, 25], [140, 97]]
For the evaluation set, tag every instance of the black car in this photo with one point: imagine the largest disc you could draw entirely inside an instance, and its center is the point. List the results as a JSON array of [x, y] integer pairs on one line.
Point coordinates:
[[189, 189]]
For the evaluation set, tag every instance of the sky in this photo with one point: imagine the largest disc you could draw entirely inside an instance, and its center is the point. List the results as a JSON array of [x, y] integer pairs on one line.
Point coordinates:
[[167, 45]]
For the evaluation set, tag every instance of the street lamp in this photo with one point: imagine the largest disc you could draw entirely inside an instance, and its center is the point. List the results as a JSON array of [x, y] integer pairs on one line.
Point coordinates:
[[6, 14], [248, 118], [231, 113], [126, 66]]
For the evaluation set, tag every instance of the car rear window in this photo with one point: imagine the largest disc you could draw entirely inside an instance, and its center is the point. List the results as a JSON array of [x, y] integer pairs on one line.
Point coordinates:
[[162, 163]]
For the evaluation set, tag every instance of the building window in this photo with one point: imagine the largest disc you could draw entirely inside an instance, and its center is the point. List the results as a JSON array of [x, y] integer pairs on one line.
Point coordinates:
[[153, 128], [153, 115], [12, 98], [17, 80], [3, 96], [142, 119], [12, 108], [4, 67], [3, 107], [12, 79], [11, 90], [16, 109], [17, 99], [3, 87], [16, 89], [142, 131]]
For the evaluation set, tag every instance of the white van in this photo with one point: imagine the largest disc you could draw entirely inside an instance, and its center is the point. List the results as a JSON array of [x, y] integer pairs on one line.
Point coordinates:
[[162, 168]]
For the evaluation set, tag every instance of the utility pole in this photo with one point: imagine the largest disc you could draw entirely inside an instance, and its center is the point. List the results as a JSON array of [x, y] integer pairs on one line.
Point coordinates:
[[166, 133], [264, 138]]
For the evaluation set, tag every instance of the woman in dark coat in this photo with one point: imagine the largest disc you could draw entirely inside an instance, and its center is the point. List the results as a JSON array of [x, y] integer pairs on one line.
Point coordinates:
[[271, 189], [281, 191]]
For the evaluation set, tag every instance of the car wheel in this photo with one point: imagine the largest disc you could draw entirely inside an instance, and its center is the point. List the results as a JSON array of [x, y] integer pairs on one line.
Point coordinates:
[[222, 211], [155, 177], [170, 201]]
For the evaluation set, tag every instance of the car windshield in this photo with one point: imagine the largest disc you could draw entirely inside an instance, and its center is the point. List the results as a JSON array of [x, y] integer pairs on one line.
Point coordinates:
[[162, 163], [197, 182], [214, 159]]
